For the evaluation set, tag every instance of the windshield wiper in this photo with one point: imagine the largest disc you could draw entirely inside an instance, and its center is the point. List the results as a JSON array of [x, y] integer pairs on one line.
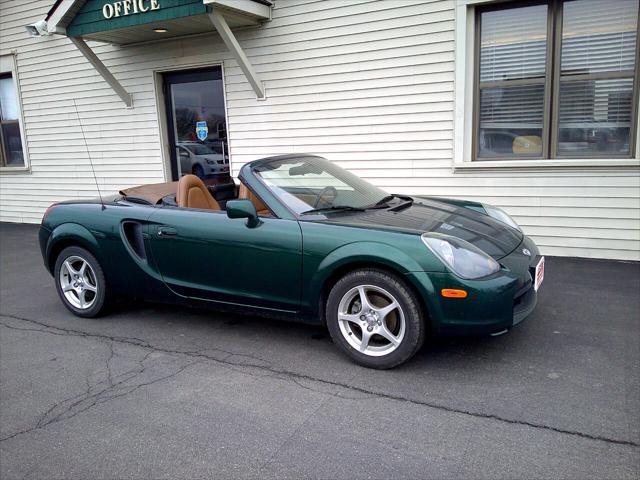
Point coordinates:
[[347, 208], [408, 201], [383, 202]]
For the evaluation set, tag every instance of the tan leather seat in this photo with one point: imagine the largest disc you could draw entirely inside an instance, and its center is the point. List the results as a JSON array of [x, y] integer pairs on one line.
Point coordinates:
[[192, 193], [247, 194]]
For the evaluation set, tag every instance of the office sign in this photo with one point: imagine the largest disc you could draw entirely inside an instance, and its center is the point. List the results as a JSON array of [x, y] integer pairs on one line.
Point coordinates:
[[128, 7], [97, 16]]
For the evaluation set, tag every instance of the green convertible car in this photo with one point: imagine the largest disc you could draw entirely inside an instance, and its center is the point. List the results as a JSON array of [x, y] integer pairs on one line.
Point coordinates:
[[299, 237]]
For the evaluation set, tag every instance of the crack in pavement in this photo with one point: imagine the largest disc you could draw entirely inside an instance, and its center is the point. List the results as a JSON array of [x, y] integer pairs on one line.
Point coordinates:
[[272, 456], [295, 377], [98, 392]]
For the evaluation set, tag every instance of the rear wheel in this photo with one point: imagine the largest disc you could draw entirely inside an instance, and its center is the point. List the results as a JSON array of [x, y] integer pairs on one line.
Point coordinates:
[[80, 282], [375, 318]]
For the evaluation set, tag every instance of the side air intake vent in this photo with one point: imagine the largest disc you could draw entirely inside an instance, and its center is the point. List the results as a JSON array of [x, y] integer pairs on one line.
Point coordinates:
[[133, 237]]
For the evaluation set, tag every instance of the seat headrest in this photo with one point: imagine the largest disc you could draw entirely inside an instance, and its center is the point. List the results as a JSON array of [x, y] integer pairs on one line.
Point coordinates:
[[192, 193]]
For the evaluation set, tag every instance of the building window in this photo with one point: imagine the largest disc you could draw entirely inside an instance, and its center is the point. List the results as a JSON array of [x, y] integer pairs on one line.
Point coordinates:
[[555, 79], [11, 143]]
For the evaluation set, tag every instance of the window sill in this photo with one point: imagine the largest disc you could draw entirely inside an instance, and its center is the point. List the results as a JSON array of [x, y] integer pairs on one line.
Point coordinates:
[[545, 164], [14, 170]]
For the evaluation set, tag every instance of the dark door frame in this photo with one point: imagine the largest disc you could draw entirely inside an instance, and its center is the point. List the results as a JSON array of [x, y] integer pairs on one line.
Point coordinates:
[[176, 77]]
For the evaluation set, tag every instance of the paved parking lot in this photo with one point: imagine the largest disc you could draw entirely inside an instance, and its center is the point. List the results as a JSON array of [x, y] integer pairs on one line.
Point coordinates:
[[158, 392]]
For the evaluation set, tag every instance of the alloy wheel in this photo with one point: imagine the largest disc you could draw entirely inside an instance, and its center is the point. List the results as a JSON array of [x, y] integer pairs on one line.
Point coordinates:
[[78, 282], [371, 320]]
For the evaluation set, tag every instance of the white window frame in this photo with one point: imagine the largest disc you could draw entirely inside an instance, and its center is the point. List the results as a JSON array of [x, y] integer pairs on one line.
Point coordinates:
[[463, 107], [8, 64]]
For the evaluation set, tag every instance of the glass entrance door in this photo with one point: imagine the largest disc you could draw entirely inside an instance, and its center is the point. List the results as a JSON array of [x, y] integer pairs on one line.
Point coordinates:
[[196, 123]]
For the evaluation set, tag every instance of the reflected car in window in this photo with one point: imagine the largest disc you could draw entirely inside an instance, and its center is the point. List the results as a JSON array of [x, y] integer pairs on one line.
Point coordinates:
[[201, 160]]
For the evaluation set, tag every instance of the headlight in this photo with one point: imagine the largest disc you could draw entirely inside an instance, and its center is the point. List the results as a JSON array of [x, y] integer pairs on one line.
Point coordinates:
[[461, 257], [210, 162], [501, 216]]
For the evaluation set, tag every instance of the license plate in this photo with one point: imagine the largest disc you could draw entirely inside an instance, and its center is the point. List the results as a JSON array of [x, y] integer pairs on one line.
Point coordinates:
[[539, 276]]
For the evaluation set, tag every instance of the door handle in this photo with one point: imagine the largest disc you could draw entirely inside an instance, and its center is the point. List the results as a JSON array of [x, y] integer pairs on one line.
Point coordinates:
[[166, 231]]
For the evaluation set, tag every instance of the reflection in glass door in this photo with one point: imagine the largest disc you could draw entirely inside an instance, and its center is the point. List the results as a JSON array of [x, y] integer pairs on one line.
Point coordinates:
[[196, 123]]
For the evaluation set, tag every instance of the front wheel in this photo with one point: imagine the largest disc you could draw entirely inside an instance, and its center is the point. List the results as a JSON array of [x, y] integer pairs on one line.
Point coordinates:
[[375, 318], [80, 282]]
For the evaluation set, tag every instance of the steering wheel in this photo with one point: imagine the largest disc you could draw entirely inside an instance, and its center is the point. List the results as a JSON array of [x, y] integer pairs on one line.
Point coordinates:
[[325, 191]]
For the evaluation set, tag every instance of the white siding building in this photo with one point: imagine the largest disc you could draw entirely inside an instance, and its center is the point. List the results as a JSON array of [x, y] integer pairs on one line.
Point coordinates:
[[390, 89]]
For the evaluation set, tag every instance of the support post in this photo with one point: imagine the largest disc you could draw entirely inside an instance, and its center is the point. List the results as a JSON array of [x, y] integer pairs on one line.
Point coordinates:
[[234, 47], [102, 70]]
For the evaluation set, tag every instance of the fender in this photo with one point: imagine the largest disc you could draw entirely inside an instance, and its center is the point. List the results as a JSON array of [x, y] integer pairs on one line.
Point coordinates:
[[72, 231], [357, 253]]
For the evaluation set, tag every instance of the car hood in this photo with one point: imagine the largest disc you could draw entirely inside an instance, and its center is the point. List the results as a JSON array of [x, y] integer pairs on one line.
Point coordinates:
[[440, 216]]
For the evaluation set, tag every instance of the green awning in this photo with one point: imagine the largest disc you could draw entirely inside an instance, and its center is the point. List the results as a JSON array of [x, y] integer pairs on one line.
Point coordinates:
[[98, 16], [124, 22]]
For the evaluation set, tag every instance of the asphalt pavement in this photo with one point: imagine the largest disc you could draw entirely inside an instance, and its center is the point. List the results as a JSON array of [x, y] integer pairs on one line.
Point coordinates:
[[152, 391]]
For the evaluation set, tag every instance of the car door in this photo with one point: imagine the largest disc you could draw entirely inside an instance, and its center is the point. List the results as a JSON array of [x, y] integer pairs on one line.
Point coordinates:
[[204, 254]]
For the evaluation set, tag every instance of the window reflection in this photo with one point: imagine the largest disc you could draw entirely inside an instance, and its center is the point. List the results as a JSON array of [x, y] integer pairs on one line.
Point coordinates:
[[198, 124], [11, 151]]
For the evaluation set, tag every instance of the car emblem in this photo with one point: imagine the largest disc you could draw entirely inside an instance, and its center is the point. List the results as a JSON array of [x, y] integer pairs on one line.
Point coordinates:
[[526, 252]]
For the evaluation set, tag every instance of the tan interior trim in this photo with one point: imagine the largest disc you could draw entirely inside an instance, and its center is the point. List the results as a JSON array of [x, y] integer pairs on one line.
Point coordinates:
[[247, 194], [192, 193]]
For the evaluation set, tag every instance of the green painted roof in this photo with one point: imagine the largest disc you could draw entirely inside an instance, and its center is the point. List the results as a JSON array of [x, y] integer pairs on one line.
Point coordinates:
[[90, 18]]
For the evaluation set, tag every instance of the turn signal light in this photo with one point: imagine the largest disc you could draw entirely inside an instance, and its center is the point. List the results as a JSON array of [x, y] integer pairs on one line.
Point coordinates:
[[453, 293]]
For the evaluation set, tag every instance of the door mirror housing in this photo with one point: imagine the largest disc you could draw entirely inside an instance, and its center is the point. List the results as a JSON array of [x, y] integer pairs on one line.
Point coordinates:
[[243, 209]]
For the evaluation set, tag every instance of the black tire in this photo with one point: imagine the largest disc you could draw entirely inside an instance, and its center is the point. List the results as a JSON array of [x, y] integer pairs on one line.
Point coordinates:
[[198, 171], [100, 299], [414, 324]]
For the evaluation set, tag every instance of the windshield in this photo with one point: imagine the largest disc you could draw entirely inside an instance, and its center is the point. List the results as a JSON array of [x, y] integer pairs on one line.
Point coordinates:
[[312, 183]]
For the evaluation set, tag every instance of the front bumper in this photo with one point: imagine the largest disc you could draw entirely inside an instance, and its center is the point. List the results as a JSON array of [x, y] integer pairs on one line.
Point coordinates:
[[493, 305], [524, 302]]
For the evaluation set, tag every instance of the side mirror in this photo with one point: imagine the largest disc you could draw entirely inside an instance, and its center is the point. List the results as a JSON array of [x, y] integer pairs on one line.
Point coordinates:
[[243, 209]]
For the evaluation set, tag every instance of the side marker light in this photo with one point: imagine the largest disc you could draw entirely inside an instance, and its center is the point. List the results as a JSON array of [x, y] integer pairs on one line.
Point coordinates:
[[453, 293]]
